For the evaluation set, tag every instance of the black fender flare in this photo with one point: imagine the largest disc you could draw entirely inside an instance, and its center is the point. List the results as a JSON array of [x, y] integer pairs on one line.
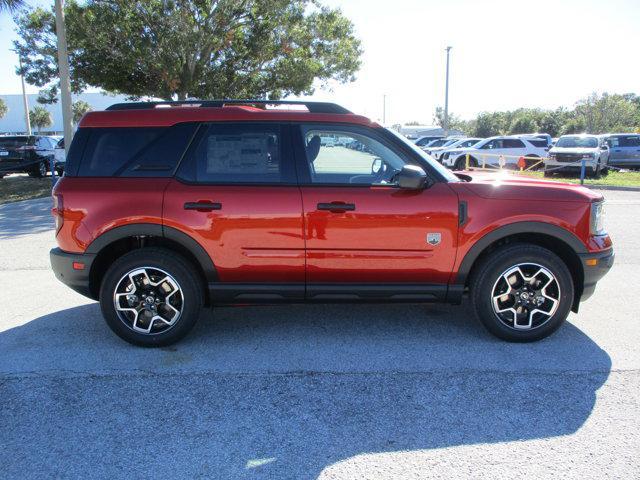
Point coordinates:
[[512, 229], [157, 230]]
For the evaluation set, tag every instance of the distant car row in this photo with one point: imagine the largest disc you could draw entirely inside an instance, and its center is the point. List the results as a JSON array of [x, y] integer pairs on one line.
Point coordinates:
[[31, 154], [567, 153]]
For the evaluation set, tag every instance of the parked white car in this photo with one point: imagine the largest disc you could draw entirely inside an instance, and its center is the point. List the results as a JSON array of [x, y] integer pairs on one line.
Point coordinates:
[[457, 144], [496, 152], [438, 145], [570, 150]]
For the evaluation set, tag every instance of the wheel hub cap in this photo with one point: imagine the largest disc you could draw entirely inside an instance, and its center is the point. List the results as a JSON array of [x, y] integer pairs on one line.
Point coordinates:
[[148, 300], [525, 296]]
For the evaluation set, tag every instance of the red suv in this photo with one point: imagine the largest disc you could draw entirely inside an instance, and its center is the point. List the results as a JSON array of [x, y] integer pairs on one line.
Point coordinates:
[[166, 207]]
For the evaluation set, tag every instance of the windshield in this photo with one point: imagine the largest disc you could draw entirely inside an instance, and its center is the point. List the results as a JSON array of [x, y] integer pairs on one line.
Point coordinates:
[[437, 143], [577, 142], [469, 142], [13, 142], [447, 174], [451, 142]]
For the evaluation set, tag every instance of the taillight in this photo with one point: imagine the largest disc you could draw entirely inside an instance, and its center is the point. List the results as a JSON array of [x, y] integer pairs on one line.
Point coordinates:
[[58, 211]]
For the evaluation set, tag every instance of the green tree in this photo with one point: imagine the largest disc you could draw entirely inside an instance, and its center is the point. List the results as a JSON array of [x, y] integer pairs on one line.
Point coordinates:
[[552, 121], [193, 48], [78, 109], [488, 124], [40, 117], [524, 122], [3, 108], [455, 122], [607, 113]]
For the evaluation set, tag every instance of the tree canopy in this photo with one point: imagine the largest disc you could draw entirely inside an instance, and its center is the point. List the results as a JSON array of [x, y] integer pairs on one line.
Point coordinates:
[[40, 117], [192, 48], [598, 113], [3, 108], [78, 110], [10, 5]]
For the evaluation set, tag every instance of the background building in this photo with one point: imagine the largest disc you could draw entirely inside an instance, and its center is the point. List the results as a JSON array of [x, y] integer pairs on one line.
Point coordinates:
[[13, 121]]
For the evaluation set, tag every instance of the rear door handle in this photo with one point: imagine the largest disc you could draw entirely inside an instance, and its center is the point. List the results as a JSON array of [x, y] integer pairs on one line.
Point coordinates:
[[202, 206], [337, 207]]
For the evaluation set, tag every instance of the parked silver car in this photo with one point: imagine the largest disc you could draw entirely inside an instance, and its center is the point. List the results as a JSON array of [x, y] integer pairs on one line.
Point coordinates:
[[624, 149], [570, 150]]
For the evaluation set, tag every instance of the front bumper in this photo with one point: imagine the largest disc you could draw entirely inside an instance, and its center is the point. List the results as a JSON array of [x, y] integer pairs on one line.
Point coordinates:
[[556, 166], [593, 273], [66, 267]]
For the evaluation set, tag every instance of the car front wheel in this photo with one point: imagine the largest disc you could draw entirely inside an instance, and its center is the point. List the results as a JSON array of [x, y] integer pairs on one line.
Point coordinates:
[[151, 297], [522, 293]]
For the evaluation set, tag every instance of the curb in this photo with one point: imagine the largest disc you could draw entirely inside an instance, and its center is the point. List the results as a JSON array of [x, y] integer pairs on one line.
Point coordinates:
[[613, 187]]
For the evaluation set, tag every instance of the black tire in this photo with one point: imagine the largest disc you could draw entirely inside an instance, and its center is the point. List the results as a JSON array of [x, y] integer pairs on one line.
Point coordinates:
[[39, 171], [461, 163], [181, 271], [548, 174], [598, 170], [489, 273], [533, 160]]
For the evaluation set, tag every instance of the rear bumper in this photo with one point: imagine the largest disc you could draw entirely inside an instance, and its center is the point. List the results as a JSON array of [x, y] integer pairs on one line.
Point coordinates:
[[77, 279], [593, 273]]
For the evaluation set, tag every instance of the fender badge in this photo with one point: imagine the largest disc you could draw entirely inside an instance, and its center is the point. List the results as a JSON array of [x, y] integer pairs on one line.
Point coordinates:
[[434, 238]]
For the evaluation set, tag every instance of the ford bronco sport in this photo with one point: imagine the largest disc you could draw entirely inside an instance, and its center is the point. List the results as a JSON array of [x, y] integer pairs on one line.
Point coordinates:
[[166, 207]]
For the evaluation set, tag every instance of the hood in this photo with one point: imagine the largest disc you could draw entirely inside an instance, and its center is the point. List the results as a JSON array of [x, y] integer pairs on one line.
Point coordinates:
[[509, 186], [576, 150]]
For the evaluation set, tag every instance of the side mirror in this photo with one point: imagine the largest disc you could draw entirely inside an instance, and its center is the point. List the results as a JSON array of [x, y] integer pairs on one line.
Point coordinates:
[[412, 177], [376, 165], [604, 147]]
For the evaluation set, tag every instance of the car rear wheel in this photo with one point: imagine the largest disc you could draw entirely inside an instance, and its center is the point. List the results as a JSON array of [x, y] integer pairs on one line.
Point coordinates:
[[40, 170], [522, 293], [151, 297]]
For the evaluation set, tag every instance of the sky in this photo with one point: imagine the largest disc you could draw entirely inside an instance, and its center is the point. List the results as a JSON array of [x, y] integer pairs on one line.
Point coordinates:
[[506, 54]]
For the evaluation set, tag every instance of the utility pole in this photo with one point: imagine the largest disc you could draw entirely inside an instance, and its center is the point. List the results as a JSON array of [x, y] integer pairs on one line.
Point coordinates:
[[25, 101], [446, 98], [63, 70], [384, 109]]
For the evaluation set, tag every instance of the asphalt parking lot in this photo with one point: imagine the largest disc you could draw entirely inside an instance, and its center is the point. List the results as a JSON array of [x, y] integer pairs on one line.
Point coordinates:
[[327, 391]]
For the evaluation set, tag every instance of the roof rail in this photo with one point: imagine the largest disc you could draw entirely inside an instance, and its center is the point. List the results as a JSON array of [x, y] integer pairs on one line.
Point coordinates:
[[312, 107]]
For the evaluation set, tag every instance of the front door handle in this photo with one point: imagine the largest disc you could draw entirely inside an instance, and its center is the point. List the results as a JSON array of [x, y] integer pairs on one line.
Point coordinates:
[[202, 206], [337, 207]]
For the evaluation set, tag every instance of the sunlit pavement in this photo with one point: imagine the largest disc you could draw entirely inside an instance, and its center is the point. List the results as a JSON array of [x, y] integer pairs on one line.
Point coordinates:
[[328, 391]]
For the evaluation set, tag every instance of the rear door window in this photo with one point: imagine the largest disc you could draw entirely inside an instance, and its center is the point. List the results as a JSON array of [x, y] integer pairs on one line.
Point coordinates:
[[631, 141], [512, 143], [239, 154]]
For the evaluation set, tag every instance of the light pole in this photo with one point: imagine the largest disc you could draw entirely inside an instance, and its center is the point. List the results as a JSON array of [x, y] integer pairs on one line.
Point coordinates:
[[25, 101], [446, 98], [63, 70], [384, 109]]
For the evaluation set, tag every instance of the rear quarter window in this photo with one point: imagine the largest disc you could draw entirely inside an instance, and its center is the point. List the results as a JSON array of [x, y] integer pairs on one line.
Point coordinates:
[[133, 152]]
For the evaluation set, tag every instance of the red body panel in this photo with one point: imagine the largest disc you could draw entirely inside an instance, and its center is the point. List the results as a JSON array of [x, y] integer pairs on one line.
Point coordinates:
[[94, 205], [384, 240], [257, 235]]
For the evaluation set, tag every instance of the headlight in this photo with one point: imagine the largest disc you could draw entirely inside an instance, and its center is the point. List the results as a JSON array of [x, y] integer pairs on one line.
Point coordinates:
[[455, 152], [597, 218]]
